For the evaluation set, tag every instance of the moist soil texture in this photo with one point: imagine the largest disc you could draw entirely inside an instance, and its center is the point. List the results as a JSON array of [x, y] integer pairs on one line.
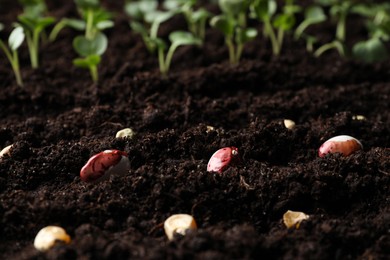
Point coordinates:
[[60, 119]]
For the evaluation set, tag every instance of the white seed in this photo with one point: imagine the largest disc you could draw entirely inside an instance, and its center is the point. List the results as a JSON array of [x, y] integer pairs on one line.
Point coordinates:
[[6, 150], [178, 223], [48, 236], [294, 218], [359, 117], [289, 124], [125, 133]]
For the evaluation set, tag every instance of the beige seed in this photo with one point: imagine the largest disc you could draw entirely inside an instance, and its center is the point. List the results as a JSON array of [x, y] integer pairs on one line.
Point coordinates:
[[48, 236], [209, 129], [6, 150], [289, 124], [359, 117], [125, 133], [294, 218], [178, 223]]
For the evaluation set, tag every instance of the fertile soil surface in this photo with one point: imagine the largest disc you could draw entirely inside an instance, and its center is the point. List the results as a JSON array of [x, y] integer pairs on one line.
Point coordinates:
[[60, 119]]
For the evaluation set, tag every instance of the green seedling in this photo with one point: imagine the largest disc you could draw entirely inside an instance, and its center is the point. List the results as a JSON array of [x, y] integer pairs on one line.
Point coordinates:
[[275, 25], [93, 20], [146, 20], [339, 11], [378, 25], [177, 39], [93, 43], [232, 23], [196, 19], [34, 22], [15, 39], [90, 51], [313, 15]]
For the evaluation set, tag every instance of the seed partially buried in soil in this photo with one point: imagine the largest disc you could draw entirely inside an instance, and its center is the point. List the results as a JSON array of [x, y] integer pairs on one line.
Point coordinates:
[[294, 218], [49, 236], [102, 165], [222, 158], [288, 123], [6, 151], [178, 223], [343, 144], [125, 133]]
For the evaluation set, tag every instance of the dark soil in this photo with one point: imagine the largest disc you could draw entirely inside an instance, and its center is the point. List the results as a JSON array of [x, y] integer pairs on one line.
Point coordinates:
[[60, 119]]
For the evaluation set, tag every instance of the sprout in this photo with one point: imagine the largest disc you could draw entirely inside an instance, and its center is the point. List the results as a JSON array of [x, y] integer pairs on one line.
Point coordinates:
[[232, 23], [196, 19], [275, 26], [90, 46], [15, 39], [34, 23], [178, 38], [49, 236], [146, 20], [178, 224], [294, 218], [313, 15]]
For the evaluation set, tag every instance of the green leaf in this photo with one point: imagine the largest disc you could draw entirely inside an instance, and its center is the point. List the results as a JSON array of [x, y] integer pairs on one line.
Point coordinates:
[[233, 7], [86, 47], [184, 38], [104, 24], [44, 22], [1, 26], [222, 23], [369, 51], [76, 24], [16, 38], [315, 14], [264, 9], [138, 9], [158, 16], [92, 60], [199, 15], [284, 22]]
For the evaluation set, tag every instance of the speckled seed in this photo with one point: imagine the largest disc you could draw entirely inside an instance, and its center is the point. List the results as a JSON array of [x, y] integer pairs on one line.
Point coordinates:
[[102, 165], [343, 144], [289, 124], [6, 150], [221, 159], [294, 218], [48, 236], [178, 223], [125, 133]]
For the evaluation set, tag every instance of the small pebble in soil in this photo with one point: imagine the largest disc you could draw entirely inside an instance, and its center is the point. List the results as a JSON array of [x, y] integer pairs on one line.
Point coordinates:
[[102, 165], [343, 144], [48, 236], [209, 129], [288, 123], [294, 218], [178, 223], [125, 133], [6, 151], [221, 159]]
